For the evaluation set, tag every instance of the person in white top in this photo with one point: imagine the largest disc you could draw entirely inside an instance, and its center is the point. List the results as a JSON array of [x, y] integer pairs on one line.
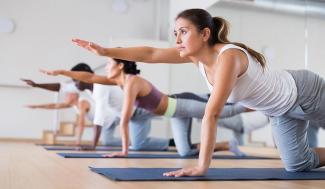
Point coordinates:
[[83, 104], [237, 73]]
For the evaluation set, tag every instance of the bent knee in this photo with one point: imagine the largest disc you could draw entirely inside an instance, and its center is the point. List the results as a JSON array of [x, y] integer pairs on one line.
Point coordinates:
[[186, 153], [112, 142], [138, 145], [300, 166]]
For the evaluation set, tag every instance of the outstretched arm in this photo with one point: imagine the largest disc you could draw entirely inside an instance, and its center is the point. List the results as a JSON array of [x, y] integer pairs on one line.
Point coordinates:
[[137, 54], [50, 106], [47, 86], [81, 76], [69, 101]]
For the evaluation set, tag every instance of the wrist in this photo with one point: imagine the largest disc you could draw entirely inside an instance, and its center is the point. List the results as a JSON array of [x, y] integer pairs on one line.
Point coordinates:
[[105, 52], [202, 169], [125, 151], [203, 166], [62, 72]]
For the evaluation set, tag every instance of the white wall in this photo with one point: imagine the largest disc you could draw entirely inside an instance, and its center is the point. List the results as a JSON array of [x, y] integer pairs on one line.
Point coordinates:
[[42, 39], [44, 29], [19, 121]]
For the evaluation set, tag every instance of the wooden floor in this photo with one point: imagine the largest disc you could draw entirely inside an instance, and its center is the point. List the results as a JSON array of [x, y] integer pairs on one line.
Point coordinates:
[[25, 165]]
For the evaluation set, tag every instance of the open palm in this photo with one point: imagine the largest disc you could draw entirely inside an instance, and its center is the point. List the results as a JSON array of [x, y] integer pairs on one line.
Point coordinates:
[[90, 46]]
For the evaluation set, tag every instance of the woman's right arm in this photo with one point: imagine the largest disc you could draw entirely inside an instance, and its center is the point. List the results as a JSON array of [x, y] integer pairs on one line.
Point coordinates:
[[137, 54], [81, 76]]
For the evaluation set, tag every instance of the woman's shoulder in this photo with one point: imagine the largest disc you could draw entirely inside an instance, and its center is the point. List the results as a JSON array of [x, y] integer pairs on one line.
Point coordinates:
[[134, 80], [231, 52]]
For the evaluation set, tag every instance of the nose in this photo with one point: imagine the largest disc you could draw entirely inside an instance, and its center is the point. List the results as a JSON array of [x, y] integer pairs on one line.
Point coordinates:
[[178, 39]]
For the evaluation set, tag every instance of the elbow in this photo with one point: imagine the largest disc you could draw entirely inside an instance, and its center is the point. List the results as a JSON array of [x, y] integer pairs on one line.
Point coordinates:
[[212, 114], [211, 117]]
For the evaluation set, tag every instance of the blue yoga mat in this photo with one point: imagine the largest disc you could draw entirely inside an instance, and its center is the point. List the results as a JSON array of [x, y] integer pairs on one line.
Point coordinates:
[[155, 156], [214, 174], [101, 148], [71, 148]]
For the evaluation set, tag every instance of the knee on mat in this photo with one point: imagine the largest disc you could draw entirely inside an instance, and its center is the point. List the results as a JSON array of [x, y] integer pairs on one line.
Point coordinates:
[[298, 166], [185, 153], [138, 146], [110, 142]]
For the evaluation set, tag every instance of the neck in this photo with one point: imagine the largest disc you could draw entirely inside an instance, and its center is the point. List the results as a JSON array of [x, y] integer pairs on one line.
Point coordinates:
[[90, 87], [208, 55], [120, 79]]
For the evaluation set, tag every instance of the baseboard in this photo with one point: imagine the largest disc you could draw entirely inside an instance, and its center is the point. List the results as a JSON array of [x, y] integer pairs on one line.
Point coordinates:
[[39, 141], [25, 140]]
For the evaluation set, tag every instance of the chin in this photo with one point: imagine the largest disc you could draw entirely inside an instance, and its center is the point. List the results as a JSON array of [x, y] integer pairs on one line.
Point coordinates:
[[183, 54]]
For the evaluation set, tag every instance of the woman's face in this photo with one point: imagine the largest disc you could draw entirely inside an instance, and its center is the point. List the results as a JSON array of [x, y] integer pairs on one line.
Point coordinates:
[[81, 85], [113, 69], [188, 39]]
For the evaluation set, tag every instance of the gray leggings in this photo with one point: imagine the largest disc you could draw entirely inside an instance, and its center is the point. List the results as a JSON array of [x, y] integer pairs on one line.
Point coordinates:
[[290, 129], [189, 108]]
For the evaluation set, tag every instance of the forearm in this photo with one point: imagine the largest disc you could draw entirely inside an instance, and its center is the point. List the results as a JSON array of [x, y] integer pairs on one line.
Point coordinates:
[[80, 128], [86, 77], [49, 86], [146, 54], [81, 76], [137, 54], [125, 137], [208, 138], [51, 106], [97, 132]]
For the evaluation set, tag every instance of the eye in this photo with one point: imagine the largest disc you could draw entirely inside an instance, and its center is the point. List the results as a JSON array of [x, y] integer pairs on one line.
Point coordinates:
[[183, 32], [175, 33]]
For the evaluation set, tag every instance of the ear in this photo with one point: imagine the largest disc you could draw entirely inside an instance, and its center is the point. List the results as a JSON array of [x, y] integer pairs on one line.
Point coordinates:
[[120, 66], [206, 32]]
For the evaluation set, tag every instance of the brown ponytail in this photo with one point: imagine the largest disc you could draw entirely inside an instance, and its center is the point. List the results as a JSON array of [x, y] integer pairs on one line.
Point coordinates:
[[219, 28]]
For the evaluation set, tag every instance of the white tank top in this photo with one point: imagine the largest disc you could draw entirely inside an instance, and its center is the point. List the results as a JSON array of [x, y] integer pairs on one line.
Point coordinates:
[[87, 96], [271, 92]]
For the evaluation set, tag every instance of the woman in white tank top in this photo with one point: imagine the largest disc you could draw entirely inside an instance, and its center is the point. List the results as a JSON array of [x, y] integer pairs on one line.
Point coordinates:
[[237, 73]]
